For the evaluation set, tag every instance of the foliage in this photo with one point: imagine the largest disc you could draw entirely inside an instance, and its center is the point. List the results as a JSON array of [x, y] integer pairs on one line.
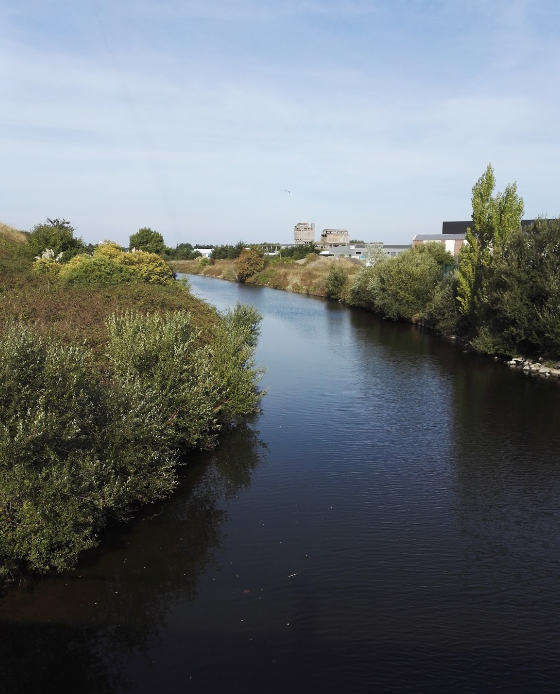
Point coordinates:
[[249, 262], [110, 265], [401, 287], [443, 310], [495, 218], [57, 235], [82, 441], [147, 240], [227, 251], [299, 251], [182, 251], [520, 310], [95, 271], [47, 263], [336, 279], [436, 251]]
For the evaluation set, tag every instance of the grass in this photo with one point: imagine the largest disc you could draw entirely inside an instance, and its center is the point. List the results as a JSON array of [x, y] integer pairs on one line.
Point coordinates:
[[302, 276]]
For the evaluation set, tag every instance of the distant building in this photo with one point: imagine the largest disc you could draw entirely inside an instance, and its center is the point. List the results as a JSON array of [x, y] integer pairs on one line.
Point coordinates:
[[204, 252], [359, 251], [392, 250], [335, 237], [304, 233], [451, 242]]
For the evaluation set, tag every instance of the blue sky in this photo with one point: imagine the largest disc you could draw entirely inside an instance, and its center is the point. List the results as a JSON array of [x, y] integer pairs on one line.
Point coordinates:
[[193, 116]]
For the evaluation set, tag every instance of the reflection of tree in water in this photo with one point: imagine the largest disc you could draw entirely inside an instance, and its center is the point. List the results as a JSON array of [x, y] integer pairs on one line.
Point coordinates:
[[74, 632]]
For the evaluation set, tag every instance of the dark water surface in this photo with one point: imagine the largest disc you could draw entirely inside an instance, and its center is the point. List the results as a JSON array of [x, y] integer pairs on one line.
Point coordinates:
[[389, 523]]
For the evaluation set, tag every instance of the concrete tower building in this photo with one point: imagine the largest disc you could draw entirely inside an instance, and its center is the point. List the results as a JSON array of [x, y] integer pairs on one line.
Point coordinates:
[[304, 232]]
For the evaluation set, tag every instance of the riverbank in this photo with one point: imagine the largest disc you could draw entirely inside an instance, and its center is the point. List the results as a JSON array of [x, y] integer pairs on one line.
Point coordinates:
[[307, 276], [105, 389]]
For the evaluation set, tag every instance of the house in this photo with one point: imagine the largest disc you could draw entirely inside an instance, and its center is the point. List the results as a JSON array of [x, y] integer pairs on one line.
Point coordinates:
[[451, 242]]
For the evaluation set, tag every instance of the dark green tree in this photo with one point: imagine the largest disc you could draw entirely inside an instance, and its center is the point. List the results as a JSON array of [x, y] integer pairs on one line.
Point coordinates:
[[148, 240], [56, 234]]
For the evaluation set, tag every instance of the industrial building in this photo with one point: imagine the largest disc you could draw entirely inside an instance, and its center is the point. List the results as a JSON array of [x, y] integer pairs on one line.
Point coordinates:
[[304, 233], [335, 237]]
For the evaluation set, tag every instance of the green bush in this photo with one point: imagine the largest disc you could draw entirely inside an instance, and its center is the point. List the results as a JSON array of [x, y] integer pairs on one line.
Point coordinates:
[[336, 279], [83, 441], [147, 240], [110, 265], [95, 271], [56, 235], [519, 311], [443, 310]]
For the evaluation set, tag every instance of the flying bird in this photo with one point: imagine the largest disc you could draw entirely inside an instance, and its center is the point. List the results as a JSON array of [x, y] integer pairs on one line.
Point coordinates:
[[286, 191]]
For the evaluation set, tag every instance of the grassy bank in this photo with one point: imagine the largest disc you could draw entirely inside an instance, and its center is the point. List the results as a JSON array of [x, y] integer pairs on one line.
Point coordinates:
[[307, 276], [104, 390]]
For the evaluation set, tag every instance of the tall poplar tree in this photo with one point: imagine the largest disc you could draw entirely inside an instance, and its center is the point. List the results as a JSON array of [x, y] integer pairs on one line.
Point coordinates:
[[494, 219]]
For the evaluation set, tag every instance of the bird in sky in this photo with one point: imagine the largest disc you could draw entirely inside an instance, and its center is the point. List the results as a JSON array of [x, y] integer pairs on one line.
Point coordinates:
[[286, 191]]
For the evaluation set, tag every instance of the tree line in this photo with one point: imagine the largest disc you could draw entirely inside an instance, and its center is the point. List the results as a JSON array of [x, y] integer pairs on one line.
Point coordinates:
[[502, 296]]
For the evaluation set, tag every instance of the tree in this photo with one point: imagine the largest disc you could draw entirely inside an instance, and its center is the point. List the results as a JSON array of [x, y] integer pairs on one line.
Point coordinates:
[[336, 279], [56, 235], [148, 240], [495, 218], [249, 262]]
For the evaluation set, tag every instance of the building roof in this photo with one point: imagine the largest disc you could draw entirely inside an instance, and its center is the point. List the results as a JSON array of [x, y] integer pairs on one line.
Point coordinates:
[[439, 237], [448, 228]]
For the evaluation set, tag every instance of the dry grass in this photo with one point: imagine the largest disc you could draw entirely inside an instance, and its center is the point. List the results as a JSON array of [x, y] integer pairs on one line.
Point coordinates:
[[305, 276], [8, 233]]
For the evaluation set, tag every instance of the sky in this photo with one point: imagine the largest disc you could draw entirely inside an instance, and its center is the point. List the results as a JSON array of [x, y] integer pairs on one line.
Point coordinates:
[[194, 117]]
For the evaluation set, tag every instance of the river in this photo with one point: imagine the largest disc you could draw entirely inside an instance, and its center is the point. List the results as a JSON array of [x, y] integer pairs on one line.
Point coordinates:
[[390, 522]]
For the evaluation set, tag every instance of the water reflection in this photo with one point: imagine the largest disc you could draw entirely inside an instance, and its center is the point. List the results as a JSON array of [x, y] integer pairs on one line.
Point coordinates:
[[77, 631]]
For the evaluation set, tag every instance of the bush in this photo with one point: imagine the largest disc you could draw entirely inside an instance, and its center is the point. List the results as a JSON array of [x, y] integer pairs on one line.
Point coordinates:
[[250, 261], [56, 235], [110, 265], [443, 311], [147, 240], [81, 443], [520, 308], [336, 279], [97, 271]]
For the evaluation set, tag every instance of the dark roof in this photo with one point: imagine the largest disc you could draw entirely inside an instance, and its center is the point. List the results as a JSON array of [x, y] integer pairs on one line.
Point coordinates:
[[461, 227], [439, 237]]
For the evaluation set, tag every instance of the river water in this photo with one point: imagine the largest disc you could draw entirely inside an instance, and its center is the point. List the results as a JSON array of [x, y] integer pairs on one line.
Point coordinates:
[[390, 522]]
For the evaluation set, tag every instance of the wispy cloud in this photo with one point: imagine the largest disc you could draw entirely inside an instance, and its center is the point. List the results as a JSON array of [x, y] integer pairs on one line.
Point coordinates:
[[193, 117]]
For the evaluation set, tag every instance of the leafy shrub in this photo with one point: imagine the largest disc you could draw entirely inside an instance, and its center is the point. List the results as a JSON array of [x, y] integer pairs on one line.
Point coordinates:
[[82, 442], [336, 279], [443, 311], [57, 235], [95, 271], [110, 265], [147, 240], [520, 307], [48, 406], [250, 261]]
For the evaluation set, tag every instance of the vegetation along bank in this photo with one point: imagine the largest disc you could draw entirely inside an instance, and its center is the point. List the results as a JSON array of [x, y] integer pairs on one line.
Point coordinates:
[[502, 296], [111, 374]]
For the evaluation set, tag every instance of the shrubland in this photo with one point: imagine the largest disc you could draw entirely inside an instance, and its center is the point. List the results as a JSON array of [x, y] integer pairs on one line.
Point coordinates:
[[111, 373]]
